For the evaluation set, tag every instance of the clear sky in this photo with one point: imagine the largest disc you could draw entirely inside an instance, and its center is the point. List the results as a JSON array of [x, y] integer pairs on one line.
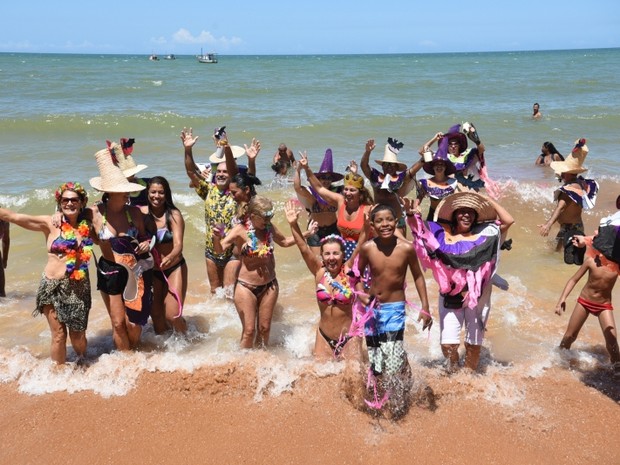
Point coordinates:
[[244, 27]]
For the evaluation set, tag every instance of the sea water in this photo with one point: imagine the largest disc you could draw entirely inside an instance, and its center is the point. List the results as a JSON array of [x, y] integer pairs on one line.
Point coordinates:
[[58, 110]]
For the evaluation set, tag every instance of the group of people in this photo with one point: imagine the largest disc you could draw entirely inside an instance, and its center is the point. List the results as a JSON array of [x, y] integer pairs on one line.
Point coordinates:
[[354, 244]]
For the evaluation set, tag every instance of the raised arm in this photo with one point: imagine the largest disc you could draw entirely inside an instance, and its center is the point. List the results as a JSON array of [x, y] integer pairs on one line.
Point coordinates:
[[304, 196], [427, 146], [332, 198], [505, 218], [42, 223], [188, 139], [370, 146], [292, 215], [252, 152]]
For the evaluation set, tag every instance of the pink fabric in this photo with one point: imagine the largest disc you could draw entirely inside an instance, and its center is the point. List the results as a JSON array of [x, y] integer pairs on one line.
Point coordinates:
[[446, 276]]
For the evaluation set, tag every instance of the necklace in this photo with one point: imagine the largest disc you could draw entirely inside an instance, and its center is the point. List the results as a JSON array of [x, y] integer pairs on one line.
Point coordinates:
[[340, 285], [74, 251], [256, 249]]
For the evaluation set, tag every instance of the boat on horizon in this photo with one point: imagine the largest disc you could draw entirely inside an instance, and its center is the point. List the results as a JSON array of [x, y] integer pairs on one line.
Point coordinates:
[[153, 58], [207, 57], [170, 57]]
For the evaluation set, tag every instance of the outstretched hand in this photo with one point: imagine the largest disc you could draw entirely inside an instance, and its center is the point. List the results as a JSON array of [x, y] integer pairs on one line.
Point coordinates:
[[352, 166], [188, 138], [253, 150], [303, 160], [291, 211], [370, 145]]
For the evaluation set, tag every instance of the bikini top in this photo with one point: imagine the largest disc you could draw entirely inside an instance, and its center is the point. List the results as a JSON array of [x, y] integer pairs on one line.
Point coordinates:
[[164, 235], [317, 207], [340, 293], [350, 230], [105, 234]]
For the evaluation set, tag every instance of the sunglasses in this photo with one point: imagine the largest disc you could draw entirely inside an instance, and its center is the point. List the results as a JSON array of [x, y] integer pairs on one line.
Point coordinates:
[[67, 200]]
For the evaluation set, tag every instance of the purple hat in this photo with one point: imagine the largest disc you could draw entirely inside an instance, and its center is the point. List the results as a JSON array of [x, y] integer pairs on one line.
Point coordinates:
[[327, 168], [453, 133], [428, 166]]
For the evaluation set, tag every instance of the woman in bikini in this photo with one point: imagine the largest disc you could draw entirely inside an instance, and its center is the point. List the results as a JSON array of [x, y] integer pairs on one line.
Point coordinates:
[[353, 206], [164, 221], [124, 244], [64, 292], [548, 154], [333, 292], [256, 289]]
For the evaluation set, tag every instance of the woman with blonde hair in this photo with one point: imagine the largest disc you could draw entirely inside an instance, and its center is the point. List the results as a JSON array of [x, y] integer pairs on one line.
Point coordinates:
[[64, 292]]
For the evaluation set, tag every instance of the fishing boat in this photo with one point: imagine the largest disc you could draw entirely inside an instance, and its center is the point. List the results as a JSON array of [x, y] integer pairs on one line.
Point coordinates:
[[170, 57], [154, 58], [207, 57]]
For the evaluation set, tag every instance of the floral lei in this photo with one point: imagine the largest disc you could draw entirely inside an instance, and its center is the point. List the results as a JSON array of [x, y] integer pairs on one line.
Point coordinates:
[[70, 247], [341, 285], [265, 249]]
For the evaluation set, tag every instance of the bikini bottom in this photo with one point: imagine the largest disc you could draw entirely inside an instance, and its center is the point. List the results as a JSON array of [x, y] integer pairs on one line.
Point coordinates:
[[259, 289]]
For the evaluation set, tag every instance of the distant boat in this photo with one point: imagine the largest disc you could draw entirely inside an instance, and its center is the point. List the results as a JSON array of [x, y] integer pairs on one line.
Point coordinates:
[[207, 57], [154, 58], [170, 57]]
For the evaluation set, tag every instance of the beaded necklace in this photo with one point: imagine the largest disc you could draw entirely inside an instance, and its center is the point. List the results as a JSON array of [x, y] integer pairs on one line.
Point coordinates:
[[265, 248], [70, 247]]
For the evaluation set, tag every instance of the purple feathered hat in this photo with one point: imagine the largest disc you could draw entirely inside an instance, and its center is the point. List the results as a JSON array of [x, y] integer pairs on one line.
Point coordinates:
[[327, 168], [453, 133]]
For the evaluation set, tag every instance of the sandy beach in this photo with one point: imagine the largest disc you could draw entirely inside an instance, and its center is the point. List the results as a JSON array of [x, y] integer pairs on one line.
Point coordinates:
[[212, 416]]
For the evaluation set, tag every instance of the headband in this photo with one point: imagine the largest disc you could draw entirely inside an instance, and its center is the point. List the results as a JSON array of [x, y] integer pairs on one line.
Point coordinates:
[[353, 180]]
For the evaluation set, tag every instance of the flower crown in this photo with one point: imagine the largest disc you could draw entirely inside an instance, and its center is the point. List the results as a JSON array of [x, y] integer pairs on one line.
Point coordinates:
[[354, 180], [332, 237], [71, 186]]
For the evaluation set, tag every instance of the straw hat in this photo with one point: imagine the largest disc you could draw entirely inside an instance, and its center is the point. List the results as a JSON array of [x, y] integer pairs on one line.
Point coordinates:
[[112, 179], [122, 152], [483, 207], [327, 168], [218, 156], [574, 161], [391, 153]]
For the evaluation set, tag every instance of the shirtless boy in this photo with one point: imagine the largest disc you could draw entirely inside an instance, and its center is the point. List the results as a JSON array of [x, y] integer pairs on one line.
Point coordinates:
[[594, 299], [388, 258]]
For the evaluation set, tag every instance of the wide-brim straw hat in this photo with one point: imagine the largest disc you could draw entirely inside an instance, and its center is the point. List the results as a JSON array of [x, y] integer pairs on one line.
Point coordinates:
[[483, 207], [112, 178], [125, 161], [573, 164], [220, 157], [390, 157]]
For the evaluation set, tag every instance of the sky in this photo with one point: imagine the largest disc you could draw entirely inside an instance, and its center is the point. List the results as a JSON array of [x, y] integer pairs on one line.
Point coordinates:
[[243, 27]]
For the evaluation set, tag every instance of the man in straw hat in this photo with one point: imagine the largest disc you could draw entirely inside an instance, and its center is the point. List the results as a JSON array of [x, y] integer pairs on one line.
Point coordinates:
[[575, 195], [220, 206], [461, 247], [393, 181], [121, 277]]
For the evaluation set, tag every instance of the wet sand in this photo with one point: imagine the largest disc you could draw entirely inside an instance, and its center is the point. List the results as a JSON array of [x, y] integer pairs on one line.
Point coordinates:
[[212, 416]]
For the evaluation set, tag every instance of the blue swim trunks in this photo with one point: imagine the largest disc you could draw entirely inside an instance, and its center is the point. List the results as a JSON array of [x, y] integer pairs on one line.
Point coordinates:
[[384, 338]]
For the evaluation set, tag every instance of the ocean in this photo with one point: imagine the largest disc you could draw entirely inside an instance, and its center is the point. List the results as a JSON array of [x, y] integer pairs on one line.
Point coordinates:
[[58, 110]]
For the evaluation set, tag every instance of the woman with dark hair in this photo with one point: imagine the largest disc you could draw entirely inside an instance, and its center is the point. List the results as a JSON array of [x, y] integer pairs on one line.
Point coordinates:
[[242, 188], [353, 207], [333, 293], [165, 222], [549, 154], [462, 249], [64, 292]]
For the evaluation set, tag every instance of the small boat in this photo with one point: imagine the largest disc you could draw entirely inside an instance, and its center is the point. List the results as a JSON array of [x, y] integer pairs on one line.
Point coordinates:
[[207, 57], [154, 58], [170, 57]]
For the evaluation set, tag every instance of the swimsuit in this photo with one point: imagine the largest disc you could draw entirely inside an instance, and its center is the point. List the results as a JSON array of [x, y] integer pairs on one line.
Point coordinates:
[[337, 345], [594, 307], [159, 274], [340, 293], [259, 289], [350, 230], [384, 337]]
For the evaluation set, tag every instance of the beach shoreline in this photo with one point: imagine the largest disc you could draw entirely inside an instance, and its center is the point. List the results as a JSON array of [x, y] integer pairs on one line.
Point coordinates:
[[212, 416]]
